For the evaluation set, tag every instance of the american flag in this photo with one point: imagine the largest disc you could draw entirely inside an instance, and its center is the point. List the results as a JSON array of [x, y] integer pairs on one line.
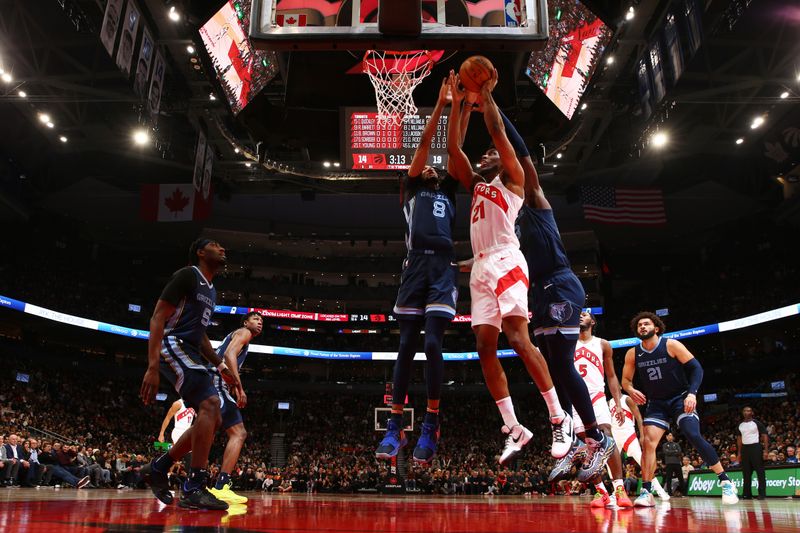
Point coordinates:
[[634, 207]]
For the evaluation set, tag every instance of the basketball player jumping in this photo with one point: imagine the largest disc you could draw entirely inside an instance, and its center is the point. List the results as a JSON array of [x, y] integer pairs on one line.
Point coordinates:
[[624, 432], [179, 346], [558, 297], [428, 289], [233, 350], [183, 420], [669, 376], [499, 278]]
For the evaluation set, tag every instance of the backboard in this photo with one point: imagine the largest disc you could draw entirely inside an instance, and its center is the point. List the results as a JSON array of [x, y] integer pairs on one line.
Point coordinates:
[[382, 415], [286, 25]]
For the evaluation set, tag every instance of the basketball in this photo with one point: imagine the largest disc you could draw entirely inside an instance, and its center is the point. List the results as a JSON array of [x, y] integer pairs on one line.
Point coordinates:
[[474, 72]]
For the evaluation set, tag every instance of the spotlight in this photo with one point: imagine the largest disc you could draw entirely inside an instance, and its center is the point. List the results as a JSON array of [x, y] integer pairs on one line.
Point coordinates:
[[757, 122], [141, 137], [190, 49], [584, 106], [326, 164], [44, 118], [62, 139], [337, 165], [784, 94], [7, 77], [630, 14], [559, 155], [248, 164], [555, 166], [22, 94], [610, 60], [235, 150], [51, 125], [739, 140], [659, 139], [173, 14], [211, 97]]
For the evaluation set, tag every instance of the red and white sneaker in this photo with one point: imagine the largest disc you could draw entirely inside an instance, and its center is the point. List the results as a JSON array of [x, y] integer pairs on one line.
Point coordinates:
[[603, 500], [623, 502]]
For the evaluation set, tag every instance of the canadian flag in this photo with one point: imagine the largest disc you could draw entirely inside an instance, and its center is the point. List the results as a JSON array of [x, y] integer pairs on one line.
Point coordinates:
[[290, 19], [173, 202]]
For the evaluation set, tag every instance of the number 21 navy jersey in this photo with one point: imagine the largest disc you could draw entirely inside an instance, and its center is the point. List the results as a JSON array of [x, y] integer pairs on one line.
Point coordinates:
[[661, 377]]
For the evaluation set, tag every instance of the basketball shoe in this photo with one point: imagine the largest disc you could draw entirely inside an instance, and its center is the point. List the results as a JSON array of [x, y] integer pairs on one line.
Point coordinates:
[[603, 500], [623, 502], [394, 439], [159, 483], [426, 445], [564, 465], [518, 436], [729, 496], [563, 435], [645, 499], [201, 499], [659, 490], [227, 495], [597, 454]]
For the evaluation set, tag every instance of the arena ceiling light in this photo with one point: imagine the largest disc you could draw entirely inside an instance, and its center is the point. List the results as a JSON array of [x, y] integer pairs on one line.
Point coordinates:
[[248, 164], [784, 95], [757, 122], [326, 164], [740, 140], [610, 60], [173, 14], [51, 125], [7, 77], [44, 118], [211, 97], [22, 94], [660, 139], [630, 14], [337, 165], [190, 49], [559, 155], [62, 138], [141, 137], [235, 150], [584, 106]]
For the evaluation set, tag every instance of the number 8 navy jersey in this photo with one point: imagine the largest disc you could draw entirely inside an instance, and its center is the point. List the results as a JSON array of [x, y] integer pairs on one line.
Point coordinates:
[[430, 215], [194, 298]]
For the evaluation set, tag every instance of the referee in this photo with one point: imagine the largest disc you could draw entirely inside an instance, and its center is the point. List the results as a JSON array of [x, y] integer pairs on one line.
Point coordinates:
[[753, 444]]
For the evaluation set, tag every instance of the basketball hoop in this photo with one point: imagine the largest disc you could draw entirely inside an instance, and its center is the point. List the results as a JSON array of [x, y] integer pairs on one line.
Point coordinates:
[[395, 75]]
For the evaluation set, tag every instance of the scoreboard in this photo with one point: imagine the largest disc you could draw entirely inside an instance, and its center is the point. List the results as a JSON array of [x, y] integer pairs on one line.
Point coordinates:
[[370, 145]]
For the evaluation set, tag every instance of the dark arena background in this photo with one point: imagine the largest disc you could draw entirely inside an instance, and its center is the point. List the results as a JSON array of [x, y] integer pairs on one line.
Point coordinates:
[[666, 138]]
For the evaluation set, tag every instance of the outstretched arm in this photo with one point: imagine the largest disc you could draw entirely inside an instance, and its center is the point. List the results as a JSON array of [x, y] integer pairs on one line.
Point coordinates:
[[172, 410], [494, 123], [420, 158], [534, 195], [458, 164]]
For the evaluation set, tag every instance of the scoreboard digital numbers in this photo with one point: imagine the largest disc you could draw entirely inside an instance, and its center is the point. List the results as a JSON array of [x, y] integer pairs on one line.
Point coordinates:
[[370, 145]]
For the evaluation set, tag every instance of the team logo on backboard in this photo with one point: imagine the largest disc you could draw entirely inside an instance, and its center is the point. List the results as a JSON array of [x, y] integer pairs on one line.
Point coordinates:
[[560, 312]]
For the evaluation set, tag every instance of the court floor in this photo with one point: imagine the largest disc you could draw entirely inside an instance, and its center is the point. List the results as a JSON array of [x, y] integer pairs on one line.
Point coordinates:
[[68, 510]]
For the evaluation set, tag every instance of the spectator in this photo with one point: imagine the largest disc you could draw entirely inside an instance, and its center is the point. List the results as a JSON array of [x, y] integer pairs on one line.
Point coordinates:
[[791, 458], [672, 454], [56, 471], [686, 467]]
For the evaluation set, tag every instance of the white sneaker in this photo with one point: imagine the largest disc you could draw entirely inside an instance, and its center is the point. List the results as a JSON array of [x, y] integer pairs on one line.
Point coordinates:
[[729, 496], [518, 436], [563, 433], [645, 499], [659, 490]]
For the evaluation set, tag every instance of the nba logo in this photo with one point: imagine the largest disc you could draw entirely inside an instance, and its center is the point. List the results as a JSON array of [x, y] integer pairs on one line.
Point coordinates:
[[512, 13]]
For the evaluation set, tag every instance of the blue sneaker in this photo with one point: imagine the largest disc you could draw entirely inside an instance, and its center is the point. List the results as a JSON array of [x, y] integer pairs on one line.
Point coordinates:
[[729, 496], [394, 440], [426, 445], [597, 454]]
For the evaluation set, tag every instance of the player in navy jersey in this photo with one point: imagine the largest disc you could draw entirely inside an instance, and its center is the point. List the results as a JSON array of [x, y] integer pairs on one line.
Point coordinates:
[[669, 376], [428, 289], [233, 350], [557, 299], [179, 347]]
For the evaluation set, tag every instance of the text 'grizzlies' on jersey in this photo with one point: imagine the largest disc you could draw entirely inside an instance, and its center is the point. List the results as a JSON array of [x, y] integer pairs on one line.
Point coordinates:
[[661, 377], [430, 215], [240, 357], [193, 312], [540, 242]]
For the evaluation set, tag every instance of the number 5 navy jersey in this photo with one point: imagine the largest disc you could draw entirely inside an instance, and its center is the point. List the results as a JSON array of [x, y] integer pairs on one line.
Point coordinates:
[[661, 377], [430, 214], [194, 298]]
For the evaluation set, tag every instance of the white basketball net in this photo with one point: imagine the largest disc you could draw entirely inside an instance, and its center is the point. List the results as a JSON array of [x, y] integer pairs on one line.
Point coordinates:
[[395, 75]]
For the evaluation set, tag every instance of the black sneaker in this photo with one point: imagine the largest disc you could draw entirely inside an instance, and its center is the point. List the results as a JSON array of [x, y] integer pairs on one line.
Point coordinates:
[[82, 482], [159, 483], [201, 499]]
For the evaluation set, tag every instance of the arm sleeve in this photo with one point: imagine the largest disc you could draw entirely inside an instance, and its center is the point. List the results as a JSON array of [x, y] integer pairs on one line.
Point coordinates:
[[182, 283], [514, 137], [761, 429], [694, 372]]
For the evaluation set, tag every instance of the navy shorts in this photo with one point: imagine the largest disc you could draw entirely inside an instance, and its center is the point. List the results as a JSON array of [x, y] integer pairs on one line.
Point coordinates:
[[231, 415], [557, 302], [428, 286], [661, 413], [181, 367]]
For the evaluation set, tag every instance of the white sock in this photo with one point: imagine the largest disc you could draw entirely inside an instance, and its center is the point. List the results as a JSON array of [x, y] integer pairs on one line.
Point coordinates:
[[618, 484], [553, 405], [600, 487], [506, 407]]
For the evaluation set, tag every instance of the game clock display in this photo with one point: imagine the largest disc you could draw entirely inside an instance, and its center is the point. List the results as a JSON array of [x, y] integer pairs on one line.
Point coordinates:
[[372, 145]]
